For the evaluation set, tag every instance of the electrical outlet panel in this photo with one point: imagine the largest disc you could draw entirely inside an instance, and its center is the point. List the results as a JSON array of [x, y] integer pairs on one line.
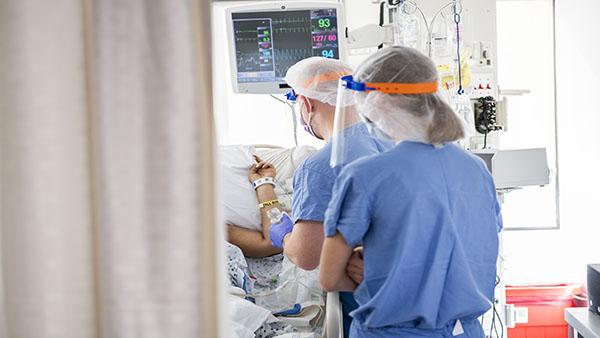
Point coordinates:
[[485, 58], [482, 85]]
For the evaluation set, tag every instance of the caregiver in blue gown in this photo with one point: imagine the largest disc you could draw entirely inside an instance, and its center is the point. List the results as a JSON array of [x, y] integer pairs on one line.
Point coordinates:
[[426, 211]]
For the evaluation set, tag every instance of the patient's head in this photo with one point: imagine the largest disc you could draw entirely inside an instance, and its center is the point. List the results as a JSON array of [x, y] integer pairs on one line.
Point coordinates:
[[315, 81]]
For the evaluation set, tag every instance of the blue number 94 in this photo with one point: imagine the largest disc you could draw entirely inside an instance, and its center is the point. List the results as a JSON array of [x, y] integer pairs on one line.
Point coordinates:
[[327, 53]]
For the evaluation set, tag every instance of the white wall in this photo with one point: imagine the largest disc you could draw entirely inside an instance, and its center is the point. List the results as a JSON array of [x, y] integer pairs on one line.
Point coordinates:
[[561, 255]]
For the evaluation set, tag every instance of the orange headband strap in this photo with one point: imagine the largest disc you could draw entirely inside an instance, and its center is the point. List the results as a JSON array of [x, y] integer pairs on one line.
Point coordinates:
[[403, 88]]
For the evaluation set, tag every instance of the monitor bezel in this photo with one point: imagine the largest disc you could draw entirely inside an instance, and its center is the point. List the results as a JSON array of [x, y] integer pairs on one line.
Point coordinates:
[[275, 87]]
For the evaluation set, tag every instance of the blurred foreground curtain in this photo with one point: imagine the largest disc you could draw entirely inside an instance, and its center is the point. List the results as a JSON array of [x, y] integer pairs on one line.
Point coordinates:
[[107, 209]]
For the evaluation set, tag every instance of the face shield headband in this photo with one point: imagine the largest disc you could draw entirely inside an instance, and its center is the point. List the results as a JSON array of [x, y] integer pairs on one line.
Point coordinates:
[[314, 82], [390, 88], [348, 82], [291, 96]]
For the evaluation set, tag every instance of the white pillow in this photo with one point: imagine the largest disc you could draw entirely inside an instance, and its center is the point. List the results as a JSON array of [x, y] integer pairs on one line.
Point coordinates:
[[239, 198]]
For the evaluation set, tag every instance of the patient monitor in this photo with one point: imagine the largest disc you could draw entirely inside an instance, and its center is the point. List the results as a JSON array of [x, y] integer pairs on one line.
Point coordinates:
[[266, 39]]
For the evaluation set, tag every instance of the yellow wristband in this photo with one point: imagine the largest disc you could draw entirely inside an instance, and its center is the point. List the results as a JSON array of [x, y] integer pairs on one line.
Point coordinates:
[[266, 204]]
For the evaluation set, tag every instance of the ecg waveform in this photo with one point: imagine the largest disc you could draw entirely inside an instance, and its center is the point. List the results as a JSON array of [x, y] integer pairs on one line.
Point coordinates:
[[290, 20], [292, 54], [284, 30]]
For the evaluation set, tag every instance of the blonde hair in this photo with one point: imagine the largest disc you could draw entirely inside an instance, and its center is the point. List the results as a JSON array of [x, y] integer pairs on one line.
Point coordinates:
[[445, 125]]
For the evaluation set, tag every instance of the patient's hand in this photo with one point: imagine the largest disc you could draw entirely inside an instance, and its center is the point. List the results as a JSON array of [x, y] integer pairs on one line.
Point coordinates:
[[354, 267], [261, 169]]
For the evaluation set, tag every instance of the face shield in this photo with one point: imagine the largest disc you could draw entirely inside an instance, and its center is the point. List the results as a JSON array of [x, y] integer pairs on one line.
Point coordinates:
[[346, 126], [351, 124]]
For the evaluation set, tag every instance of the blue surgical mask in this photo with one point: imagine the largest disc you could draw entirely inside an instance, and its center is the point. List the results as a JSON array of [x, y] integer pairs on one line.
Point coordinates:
[[307, 126]]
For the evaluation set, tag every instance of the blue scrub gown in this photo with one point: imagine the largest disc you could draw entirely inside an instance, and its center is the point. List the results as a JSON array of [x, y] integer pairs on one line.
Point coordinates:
[[429, 220], [313, 182]]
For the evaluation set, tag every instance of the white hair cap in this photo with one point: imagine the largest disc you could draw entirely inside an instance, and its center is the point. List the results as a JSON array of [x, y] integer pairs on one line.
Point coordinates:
[[317, 78], [412, 117]]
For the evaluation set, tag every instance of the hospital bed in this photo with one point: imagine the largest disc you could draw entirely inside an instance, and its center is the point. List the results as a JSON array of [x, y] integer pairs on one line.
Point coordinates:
[[286, 161], [333, 327]]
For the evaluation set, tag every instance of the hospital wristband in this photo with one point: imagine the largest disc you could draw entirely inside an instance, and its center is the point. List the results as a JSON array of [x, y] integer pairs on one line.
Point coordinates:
[[262, 181], [266, 204]]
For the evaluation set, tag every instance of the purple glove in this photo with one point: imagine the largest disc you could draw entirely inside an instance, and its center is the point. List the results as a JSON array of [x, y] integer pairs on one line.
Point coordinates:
[[278, 230]]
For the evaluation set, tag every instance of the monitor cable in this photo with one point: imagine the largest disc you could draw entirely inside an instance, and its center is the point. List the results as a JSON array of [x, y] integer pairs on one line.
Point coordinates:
[[294, 119]]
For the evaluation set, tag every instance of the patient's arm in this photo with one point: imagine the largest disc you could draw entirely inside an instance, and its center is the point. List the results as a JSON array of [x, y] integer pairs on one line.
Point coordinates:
[[254, 243], [303, 245]]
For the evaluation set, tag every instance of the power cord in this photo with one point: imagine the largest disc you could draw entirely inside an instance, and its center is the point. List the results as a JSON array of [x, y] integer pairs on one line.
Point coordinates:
[[495, 314], [485, 120]]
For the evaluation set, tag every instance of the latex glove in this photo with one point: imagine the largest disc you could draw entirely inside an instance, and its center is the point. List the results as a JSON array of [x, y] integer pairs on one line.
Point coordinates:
[[261, 169], [354, 268], [278, 230]]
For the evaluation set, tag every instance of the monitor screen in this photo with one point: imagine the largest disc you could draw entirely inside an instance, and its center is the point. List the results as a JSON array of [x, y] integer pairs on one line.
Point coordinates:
[[267, 43]]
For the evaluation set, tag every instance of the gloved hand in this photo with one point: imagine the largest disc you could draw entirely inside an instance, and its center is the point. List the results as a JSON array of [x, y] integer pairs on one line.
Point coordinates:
[[278, 230]]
